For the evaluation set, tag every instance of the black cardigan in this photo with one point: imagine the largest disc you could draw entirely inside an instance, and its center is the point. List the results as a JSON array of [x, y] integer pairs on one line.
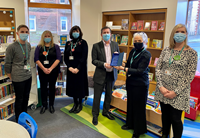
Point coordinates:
[[138, 71]]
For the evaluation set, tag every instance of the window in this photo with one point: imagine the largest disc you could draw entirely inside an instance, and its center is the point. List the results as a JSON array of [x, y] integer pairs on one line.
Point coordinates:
[[32, 22], [56, 18], [193, 25], [63, 21], [52, 1], [62, 1]]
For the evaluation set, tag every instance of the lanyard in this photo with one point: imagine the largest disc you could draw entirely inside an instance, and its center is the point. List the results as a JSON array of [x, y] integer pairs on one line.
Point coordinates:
[[177, 57], [135, 56], [73, 46], [47, 51], [25, 54]]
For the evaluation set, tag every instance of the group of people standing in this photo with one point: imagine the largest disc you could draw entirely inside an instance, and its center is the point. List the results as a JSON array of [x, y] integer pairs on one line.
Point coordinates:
[[175, 70]]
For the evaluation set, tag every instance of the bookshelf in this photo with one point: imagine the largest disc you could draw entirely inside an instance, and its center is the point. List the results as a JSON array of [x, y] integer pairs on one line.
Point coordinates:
[[146, 16]]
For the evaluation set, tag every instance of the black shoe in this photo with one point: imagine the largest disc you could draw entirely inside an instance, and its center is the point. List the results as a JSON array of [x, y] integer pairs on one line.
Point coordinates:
[[135, 135], [73, 108], [125, 127], [51, 109], [42, 111], [79, 108], [109, 116], [95, 120]]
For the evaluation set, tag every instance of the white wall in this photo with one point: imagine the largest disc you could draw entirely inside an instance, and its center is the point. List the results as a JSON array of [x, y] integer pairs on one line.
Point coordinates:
[[75, 12], [19, 9], [171, 5], [90, 23]]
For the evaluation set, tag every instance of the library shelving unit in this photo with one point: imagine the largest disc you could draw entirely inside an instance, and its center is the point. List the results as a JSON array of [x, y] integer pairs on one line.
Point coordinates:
[[134, 16]]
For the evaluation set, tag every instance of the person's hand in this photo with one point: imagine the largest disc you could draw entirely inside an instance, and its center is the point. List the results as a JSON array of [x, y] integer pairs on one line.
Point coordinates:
[[123, 64], [76, 71], [49, 69], [116, 52], [71, 69], [108, 66], [119, 67], [163, 90], [170, 94], [46, 71]]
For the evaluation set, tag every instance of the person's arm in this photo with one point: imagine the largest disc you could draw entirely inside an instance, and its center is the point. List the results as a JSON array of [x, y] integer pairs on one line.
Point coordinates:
[[9, 61], [144, 63], [95, 61], [58, 55], [84, 55]]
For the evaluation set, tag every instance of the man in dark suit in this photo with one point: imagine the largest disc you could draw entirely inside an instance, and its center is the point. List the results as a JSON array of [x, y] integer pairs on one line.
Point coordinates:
[[105, 75]]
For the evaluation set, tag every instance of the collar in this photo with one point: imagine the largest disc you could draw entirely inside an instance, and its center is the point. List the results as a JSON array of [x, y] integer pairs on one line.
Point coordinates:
[[105, 43]]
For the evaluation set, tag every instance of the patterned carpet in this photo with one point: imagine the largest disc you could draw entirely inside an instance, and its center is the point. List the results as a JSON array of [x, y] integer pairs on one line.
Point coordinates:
[[113, 129]]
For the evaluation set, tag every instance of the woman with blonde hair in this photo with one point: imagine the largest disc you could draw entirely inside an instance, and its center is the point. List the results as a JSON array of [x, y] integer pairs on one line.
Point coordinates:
[[47, 57], [137, 84], [174, 72]]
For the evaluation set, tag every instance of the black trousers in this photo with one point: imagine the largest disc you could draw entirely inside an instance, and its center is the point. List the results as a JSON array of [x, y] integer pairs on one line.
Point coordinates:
[[46, 79], [171, 116], [98, 89], [22, 91]]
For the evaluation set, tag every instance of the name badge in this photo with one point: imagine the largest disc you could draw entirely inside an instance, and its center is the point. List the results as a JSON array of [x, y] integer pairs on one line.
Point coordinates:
[[168, 72], [71, 57], [28, 67], [129, 75], [46, 62]]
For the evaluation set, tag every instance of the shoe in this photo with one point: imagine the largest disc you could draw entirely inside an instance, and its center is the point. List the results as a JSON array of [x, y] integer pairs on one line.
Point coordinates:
[[135, 135], [51, 109], [95, 120], [73, 108], [109, 116], [42, 111], [79, 108], [125, 127]]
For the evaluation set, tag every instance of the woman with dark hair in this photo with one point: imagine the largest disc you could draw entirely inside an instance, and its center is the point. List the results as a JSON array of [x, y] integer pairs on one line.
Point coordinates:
[[75, 57]]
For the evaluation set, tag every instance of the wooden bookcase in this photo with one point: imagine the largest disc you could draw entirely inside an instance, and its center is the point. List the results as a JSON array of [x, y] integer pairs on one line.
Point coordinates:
[[133, 16]]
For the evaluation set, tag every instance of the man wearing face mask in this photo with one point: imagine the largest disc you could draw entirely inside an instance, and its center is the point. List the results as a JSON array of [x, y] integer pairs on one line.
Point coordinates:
[[104, 75], [17, 67], [137, 84]]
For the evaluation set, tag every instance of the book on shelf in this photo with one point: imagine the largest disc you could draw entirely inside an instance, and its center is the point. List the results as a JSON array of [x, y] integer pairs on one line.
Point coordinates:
[[6, 39], [117, 27], [147, 26], [122, 72], [109, 24], [148, 42], [6, 110], [150, 61], [134, 26], [140, 25], [116, 38], [132, 42], [58, 91], [193, 102], [154, 43], [63, 40], [154, 25], [6, 90], [124, 40], [159, 44], [124, 58], [150, 76], [156, 61], [162, 26], [124, 24]]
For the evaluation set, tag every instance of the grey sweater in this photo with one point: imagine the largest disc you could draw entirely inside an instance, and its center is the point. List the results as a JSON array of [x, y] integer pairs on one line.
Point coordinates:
[[14, 62]]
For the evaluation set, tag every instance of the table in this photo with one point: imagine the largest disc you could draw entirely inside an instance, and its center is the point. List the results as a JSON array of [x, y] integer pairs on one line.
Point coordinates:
[[9, 129]]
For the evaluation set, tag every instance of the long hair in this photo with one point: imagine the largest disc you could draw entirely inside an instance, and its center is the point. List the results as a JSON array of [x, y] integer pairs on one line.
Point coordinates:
[[42, 43], [172, 42]]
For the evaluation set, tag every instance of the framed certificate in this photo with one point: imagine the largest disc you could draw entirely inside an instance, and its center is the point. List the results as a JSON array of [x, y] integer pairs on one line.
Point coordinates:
[[117, 59]]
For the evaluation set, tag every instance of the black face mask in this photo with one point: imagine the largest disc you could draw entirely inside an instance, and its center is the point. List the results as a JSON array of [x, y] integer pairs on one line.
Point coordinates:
[[138, 45]]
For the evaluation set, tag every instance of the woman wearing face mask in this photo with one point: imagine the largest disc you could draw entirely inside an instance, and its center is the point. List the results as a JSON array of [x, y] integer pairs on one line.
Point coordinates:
[[75, 57], [174, 72], [47, 57], [17, 67], [137, 84]]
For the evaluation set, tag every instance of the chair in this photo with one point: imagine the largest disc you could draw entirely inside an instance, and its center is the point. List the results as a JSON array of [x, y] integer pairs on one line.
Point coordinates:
[[28, 123]]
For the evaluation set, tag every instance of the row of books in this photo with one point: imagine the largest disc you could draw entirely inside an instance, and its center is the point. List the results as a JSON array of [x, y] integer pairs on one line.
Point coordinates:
[[119, 113], [61, 75], [156, 43], [6, 90], [6, 39], [155, 61], [152, 104], [6, 111], [59, 91], [193, 102], [122, 40], [153, 25], [2, 69]]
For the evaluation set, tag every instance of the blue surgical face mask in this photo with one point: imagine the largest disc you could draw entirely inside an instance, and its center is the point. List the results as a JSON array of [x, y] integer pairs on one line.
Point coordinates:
[[106, 37], [75, 35], [47, 39], [138, 45], [179, 37], [23, 36]]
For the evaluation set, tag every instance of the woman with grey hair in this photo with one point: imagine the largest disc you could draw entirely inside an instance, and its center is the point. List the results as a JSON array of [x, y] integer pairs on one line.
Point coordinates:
[[137, 84]]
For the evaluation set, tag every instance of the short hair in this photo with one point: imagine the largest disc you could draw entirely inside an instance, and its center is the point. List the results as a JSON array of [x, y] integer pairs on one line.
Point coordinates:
[[106, 27], [75, 28], [172, 42], [144, 37], [41, 43], [22, 26]]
